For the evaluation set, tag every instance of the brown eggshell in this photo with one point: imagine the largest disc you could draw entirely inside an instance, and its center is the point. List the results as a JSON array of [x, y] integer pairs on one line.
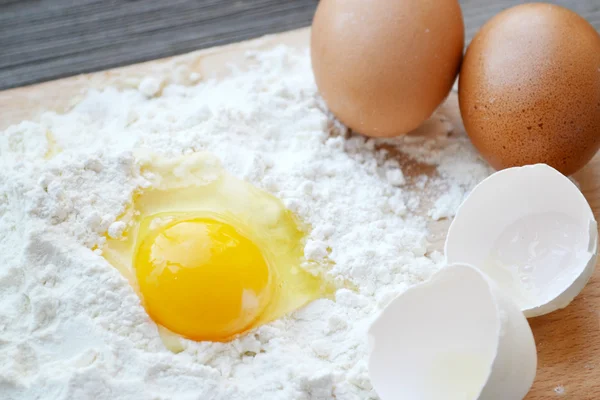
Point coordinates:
[[384, 66], [529, 88]]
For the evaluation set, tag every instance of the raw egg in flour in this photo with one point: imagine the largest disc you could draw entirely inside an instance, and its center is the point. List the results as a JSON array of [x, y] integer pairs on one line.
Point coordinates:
[[211, 256]]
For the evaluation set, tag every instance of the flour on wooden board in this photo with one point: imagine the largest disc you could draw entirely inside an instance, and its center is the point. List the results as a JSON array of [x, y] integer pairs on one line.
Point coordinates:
[[71, 327]]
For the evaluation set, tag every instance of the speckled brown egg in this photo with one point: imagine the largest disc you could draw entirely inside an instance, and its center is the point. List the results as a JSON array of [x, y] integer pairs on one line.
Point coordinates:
[[529, 88], [384, 66]]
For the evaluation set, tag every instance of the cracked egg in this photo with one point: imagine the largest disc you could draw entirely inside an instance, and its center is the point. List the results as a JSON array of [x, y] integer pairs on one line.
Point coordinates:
[[211, 256]]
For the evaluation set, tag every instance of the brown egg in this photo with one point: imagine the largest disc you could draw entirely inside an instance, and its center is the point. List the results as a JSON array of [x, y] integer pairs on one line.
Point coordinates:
[[384, 66], [529, 88]]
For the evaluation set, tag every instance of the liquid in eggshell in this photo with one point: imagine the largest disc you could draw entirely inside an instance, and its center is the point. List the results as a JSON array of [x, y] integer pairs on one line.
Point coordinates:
[[211, 256]]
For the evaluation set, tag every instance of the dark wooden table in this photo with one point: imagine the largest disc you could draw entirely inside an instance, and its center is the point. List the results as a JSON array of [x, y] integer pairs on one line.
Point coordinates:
[[48, 39]]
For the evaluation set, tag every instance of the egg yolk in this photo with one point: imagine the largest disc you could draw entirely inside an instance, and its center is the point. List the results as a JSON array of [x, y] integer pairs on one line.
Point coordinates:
[[202, 279]]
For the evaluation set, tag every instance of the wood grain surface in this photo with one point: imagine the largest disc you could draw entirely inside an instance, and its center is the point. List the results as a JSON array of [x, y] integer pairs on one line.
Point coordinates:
[[568, 341], [48, 39]]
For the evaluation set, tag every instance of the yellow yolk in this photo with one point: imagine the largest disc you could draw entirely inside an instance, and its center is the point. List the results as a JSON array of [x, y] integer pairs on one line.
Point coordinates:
[[202, 279]]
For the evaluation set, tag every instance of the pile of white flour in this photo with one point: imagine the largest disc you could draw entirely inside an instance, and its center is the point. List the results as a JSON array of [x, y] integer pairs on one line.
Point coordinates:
[[71, 327]]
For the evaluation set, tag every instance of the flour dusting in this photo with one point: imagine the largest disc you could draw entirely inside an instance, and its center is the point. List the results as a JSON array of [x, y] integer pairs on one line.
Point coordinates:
[[71, 327]]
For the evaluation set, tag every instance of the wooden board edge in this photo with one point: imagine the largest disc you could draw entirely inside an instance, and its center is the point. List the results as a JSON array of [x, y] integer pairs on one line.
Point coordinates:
[[29, 102]]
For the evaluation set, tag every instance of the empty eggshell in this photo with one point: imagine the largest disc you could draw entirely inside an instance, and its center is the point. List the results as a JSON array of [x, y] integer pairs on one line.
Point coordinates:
[[531, 231], [455, 336]]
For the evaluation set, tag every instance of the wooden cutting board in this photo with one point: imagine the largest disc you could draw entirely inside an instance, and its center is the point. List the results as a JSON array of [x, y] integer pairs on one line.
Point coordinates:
[[568, 341]]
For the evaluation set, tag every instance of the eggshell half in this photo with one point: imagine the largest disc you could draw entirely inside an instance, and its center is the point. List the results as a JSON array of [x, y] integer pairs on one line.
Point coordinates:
[[531, 231], [453, 337]]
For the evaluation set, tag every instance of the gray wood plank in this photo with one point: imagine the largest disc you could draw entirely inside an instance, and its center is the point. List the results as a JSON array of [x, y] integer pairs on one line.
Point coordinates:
[[477, 12], [41, 40], [47, 39]]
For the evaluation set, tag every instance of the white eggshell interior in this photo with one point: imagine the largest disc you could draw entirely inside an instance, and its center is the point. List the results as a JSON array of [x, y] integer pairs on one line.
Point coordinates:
[[440, 340], [531, 231]]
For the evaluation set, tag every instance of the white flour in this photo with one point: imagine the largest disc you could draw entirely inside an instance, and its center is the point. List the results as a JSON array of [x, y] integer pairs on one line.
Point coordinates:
[[71, 327]]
